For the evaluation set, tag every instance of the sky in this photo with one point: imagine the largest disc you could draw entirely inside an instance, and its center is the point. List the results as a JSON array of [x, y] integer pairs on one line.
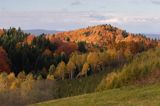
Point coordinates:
[[137, 16]]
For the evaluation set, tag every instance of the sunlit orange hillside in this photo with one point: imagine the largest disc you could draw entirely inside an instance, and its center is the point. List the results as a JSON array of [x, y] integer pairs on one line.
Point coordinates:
[[102, 35]]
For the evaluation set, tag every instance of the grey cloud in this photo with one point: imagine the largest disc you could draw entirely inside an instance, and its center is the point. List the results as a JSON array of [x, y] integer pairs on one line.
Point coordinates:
[[155, 2], [100, 16], [97, 17], [146, 19], [76, 3]]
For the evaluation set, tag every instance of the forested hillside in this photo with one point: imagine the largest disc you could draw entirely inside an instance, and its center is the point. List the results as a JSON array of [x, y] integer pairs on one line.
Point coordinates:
[[82, 51], [38, 68]]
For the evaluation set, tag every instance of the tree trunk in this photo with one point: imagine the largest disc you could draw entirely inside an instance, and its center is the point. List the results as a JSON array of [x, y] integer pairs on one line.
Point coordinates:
[[71, 75]]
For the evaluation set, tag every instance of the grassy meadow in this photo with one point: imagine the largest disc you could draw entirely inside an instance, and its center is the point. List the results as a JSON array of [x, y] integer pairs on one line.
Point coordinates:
[[148, 95]]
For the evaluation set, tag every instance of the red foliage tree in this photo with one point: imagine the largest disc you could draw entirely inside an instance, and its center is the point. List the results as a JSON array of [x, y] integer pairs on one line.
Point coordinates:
[[4, 61]]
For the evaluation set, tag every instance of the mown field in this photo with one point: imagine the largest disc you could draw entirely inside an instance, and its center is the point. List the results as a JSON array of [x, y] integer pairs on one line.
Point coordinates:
[[148, 95]]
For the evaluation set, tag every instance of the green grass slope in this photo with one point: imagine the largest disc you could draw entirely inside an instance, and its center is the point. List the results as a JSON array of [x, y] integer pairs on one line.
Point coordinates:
[[148, 95]]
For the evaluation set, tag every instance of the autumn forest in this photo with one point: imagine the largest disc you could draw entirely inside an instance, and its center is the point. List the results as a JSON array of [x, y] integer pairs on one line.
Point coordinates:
[[65, 62]]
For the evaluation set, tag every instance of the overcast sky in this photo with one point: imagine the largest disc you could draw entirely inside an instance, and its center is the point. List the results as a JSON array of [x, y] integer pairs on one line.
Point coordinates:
[[133, 15]]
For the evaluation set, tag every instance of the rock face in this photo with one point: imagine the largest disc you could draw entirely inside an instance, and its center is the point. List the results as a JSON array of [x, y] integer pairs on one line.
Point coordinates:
[[4, 61]]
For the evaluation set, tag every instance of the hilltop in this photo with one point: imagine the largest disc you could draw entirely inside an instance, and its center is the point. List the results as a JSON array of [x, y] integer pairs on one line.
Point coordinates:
[[103, 36]]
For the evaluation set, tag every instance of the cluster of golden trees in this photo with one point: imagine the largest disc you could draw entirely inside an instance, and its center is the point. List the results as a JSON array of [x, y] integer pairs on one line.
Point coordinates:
[[11, 82], [25, 89], [85, 64]]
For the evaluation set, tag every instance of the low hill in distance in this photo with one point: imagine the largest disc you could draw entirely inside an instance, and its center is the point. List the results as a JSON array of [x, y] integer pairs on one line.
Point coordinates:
[[154, 36], [40, 31]]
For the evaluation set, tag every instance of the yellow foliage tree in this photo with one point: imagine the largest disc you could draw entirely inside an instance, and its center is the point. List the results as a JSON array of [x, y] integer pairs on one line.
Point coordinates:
[[70, 68], [51, 70], [85, 70], [10, 79], [21, 76], [27, 84], [93, 59], [50, 77], [29, 76], [15, 84], [3, 81], [60, 70]]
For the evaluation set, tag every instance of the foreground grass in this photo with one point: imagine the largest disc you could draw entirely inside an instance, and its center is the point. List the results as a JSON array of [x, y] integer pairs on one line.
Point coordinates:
[[126, 96]]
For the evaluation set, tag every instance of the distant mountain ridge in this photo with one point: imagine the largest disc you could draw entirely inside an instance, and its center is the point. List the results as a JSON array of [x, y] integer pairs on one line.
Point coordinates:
[[41, 31], [157, 36]]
